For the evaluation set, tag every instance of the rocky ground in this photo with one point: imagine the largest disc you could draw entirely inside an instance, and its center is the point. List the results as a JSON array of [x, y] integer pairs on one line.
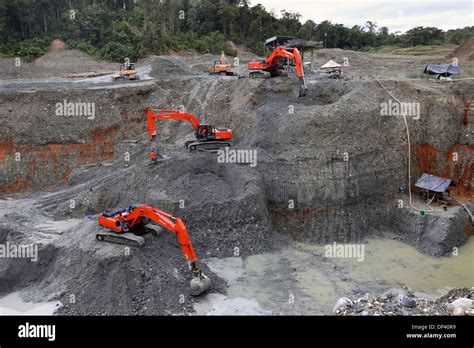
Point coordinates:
[[457, 302], [92, 278], [330, 167], [383, 64], [464, 53]]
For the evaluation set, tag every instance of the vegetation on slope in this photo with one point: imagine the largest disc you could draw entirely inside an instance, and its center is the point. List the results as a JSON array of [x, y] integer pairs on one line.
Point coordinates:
[[114, 29]]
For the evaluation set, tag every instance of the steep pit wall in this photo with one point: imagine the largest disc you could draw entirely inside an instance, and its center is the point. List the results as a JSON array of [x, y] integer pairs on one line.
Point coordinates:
[[220, 101], [336, 175], [442, 139], [332, 176], [331, 164], [434, 234], [39, 149]]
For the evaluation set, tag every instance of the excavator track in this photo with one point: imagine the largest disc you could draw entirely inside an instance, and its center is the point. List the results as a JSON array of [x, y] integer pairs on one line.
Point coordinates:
[[128, 238], [259, 75], [208, 146], [223, 73]]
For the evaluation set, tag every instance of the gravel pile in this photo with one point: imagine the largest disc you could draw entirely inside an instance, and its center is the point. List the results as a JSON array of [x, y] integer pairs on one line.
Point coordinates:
[[458, 301]]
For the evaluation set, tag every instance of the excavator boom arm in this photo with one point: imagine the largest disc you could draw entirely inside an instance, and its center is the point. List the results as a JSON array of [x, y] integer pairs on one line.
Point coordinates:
[[271, 63], [290, 53], [169, 222], [162, 114]]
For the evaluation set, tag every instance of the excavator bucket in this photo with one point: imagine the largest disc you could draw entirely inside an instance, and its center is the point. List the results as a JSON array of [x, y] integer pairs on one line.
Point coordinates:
[[303, 91], [303, 88], [200, 284]]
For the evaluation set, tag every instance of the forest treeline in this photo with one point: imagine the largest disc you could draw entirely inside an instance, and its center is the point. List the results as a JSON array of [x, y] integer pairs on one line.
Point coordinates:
[[114, 29]]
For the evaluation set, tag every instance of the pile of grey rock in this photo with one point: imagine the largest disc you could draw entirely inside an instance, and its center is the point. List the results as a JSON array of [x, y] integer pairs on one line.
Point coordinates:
[[458, 301]]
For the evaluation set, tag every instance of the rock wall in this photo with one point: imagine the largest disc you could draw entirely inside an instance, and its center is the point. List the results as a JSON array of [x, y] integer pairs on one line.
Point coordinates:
[[39, 149], [329, 165]]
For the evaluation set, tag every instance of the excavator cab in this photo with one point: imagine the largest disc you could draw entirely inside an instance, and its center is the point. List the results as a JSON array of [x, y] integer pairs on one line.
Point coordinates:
[[222, 67], [127, 71], [205, 132], [113, 212], [127, 66]]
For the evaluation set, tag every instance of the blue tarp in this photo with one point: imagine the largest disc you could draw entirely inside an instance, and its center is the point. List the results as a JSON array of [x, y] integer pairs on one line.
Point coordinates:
[[443, 69], [432, 183]]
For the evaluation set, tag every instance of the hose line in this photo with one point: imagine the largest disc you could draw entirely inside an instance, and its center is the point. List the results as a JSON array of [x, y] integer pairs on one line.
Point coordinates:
[[408, 149]]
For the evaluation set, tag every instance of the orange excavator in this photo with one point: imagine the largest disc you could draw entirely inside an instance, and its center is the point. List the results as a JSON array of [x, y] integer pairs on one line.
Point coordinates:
[[127, 72], [222, 67], [274, 65], [208, 138], [122, 222]]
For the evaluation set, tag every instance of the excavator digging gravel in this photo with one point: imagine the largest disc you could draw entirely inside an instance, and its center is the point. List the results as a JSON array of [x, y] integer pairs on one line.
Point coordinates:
[[122, 222], [273, 66], [221, 67], [127, 72], [208, 138]]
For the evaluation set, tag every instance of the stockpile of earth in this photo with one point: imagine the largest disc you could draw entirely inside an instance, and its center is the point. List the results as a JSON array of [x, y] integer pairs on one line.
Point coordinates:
[[464, 53], [457, 302]]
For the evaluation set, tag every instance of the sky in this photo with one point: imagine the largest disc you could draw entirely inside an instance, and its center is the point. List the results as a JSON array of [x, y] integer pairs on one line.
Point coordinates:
[[397, 15]]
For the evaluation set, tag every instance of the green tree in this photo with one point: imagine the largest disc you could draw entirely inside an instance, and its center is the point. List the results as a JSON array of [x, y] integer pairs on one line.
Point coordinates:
[[115, 28]]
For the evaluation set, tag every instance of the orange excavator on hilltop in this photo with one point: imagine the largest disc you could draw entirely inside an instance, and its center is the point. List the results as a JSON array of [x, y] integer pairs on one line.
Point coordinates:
[[274, 65], [123, 221], [127, 72], [208, 138], [222, 67]]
